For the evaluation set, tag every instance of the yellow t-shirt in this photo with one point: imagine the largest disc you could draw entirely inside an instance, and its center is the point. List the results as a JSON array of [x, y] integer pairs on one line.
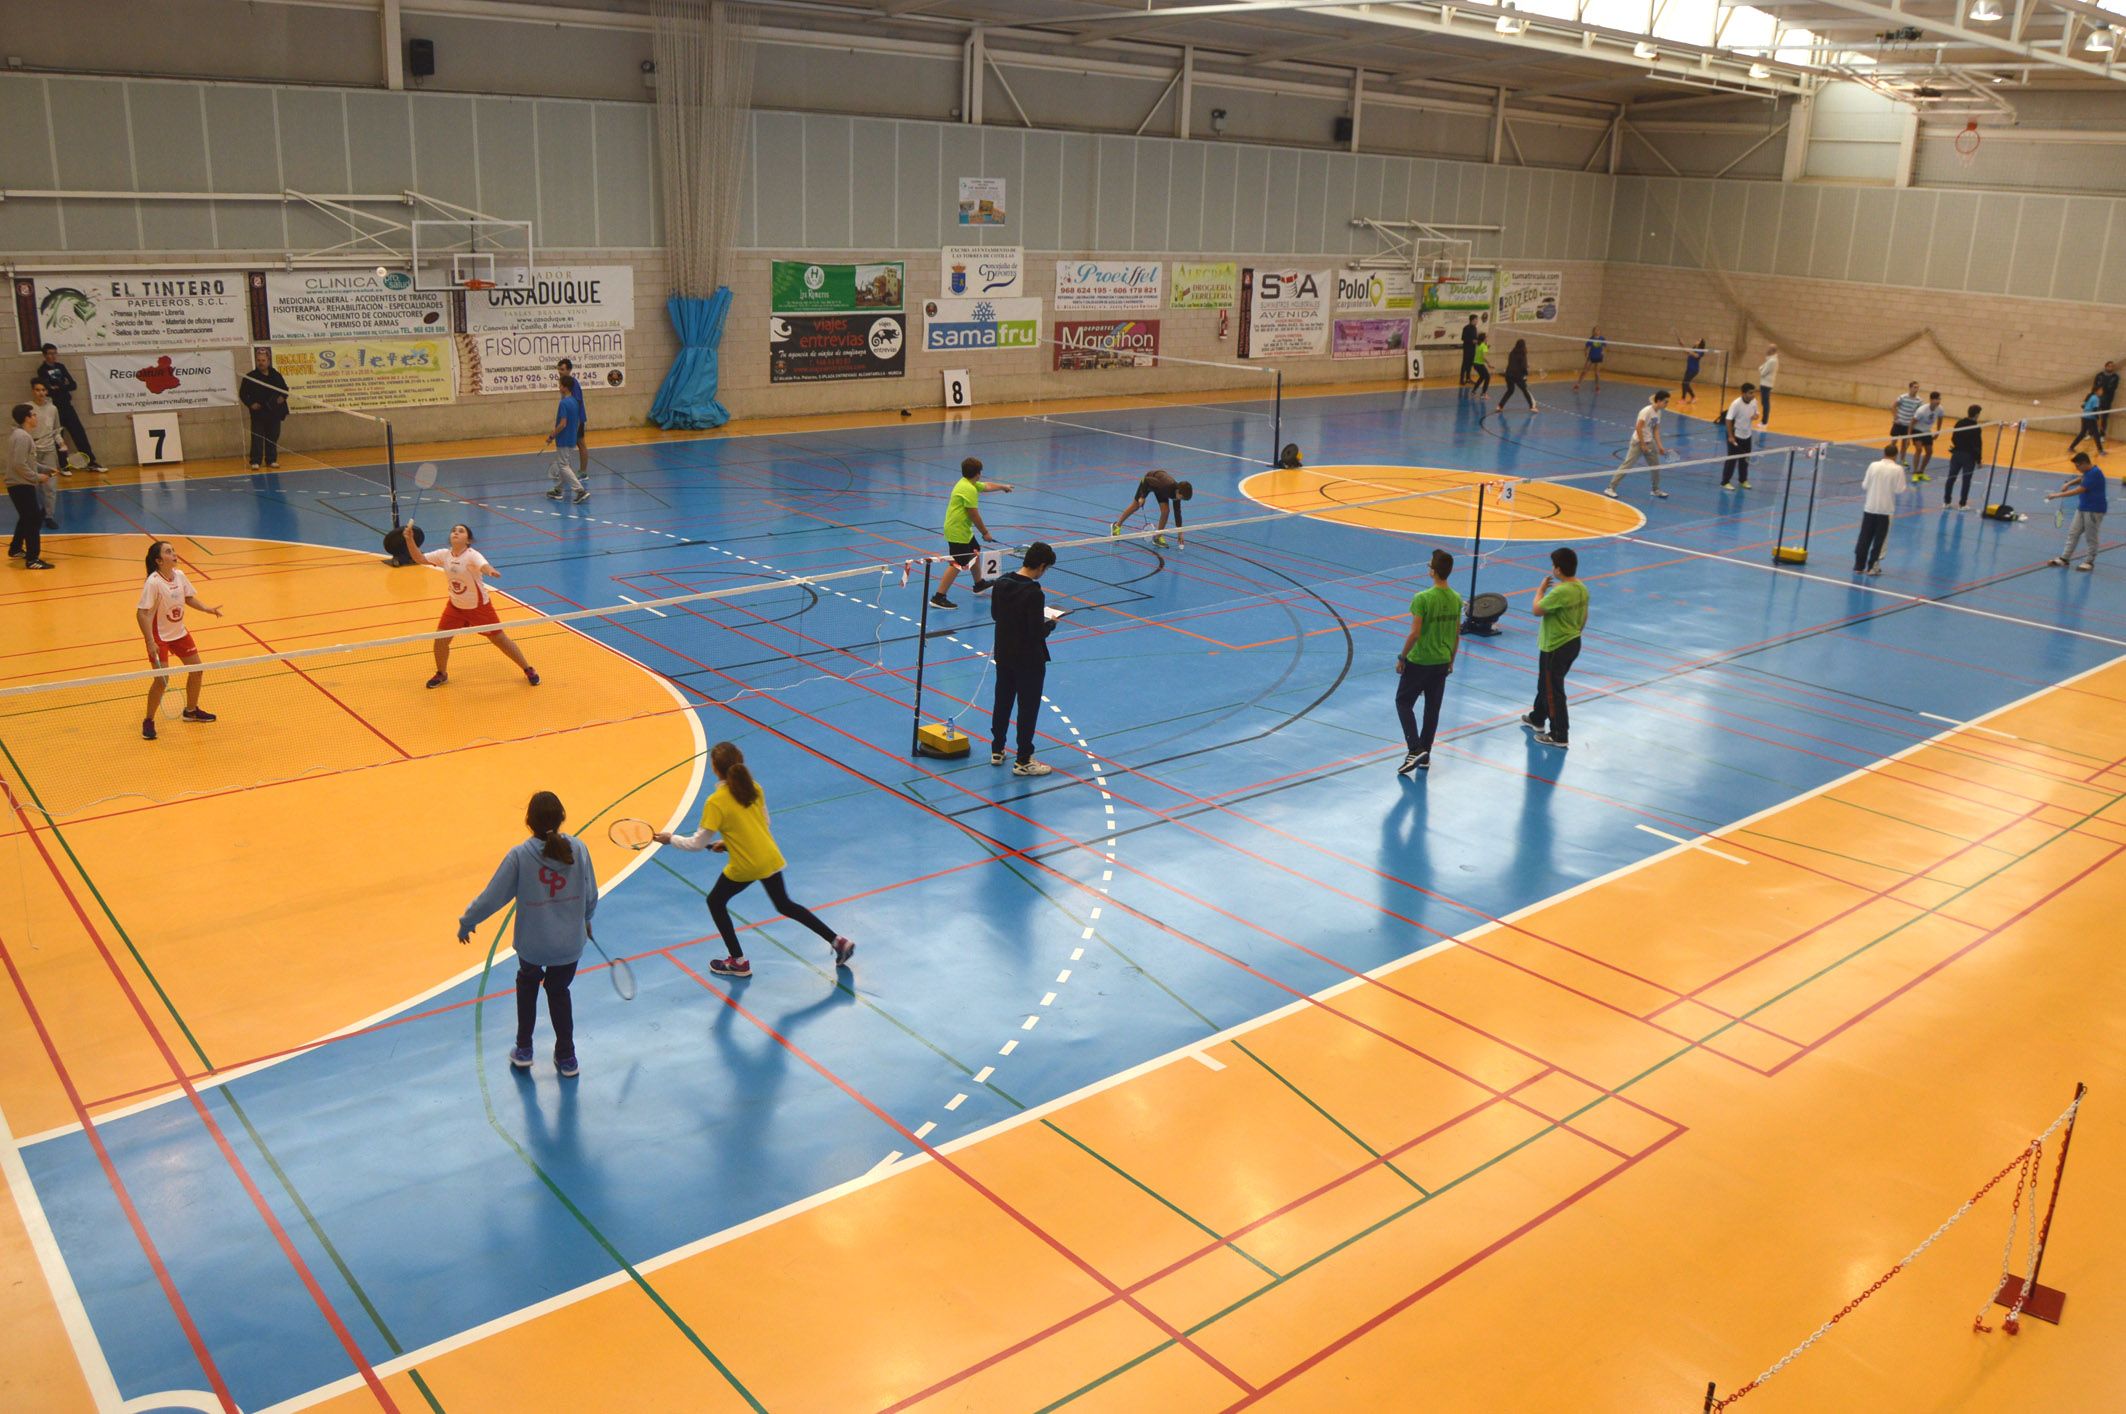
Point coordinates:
[[751, 849]]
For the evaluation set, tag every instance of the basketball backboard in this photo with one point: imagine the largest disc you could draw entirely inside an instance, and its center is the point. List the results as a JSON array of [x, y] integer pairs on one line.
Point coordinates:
[[472, 253]]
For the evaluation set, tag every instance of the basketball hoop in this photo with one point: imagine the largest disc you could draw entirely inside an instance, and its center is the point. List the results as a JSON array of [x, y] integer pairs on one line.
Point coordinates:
[[479, 284], [1966, 144]]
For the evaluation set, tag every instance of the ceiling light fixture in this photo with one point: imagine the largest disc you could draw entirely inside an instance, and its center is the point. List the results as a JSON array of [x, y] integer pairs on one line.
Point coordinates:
[[1643, 50], [1511, 23], [2102, 40], [1759, 71], [1985, 11]]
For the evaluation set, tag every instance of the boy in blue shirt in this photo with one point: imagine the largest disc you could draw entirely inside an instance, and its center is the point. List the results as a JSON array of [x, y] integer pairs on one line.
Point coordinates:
[[2087, 485], [574, 386], [568, 431]]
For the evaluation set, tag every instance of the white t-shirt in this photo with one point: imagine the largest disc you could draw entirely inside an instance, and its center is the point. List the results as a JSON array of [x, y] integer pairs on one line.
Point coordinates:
[[1927, 418], [167, 598], [464, 573], [1768, 370], [1880, 485], [1648, 426], [1741, 420]]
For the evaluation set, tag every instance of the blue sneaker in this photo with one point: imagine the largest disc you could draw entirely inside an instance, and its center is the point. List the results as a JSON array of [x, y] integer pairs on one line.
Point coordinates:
[[567, 1066], [521, 1057]]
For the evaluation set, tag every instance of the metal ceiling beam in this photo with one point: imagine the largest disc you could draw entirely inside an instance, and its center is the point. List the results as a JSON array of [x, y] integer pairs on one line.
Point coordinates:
[[1892, 15]]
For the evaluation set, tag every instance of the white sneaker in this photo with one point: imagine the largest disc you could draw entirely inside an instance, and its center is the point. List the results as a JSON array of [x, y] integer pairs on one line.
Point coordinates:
[[1610, 492], [1032, 768], [996, 758], [1661, 494]]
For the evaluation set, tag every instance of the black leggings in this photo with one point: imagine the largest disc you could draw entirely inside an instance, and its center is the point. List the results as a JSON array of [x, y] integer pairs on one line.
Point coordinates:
[[1480, 375], [562, 1012], [728, 888], [29, 522], [1514, 384]]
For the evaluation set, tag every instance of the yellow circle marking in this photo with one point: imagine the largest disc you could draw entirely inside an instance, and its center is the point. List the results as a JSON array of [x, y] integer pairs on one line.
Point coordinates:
[[1437, 501]]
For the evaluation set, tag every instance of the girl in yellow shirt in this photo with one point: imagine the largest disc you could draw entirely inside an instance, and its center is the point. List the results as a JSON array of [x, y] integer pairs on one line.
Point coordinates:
[[738, 811]]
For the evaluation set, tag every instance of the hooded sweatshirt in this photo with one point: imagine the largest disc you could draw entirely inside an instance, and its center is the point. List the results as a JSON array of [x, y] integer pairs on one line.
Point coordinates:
[[554, 901]]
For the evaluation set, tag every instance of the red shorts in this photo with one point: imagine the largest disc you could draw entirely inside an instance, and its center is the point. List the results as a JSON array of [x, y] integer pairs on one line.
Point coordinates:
[[455, 617], [176, 650]]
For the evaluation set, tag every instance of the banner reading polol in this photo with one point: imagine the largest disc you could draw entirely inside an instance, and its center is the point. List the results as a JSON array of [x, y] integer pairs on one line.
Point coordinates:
[[367, 373]]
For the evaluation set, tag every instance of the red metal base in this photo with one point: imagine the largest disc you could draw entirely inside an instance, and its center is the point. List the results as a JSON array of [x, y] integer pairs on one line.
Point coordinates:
[[2045, 1302]]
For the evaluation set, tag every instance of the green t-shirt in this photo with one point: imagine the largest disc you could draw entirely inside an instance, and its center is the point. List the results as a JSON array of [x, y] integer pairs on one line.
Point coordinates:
[[1564, 615], [1483, 353], [1440, 610], [966, 493]]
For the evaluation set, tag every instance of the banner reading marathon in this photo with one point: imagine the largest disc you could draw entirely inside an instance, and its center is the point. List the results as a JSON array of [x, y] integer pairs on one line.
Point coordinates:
[[800, 288], [559, 297], [524, 362], [131, 310], [157, 382], [1106, 343], [343, 304], [821, 348], [365, 374]]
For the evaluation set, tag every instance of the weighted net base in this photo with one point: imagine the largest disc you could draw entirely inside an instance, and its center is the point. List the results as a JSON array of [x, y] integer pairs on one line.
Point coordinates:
[[2045, 1302]]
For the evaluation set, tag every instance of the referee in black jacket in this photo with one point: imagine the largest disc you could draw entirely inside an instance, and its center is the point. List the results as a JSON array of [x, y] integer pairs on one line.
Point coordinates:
[[1021, 613]]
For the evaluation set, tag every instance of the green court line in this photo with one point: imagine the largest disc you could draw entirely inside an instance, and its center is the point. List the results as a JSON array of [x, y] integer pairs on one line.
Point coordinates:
[[1175, 1208], [1345, 1129]]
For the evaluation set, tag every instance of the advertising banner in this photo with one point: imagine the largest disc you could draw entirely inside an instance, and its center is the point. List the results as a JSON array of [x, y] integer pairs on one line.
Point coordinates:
[[1447, 305], [982, 271], [1206, 286], [523, 362], [365, 374], [980, 325], [1369, 338], [981, 201], [1109, 284], [343, 304], [575, 297], [131, 310], [1530, 296], [1283, 313], [1375, 291], [820, 348], [153, 382], [800, 288], [1106, 343]]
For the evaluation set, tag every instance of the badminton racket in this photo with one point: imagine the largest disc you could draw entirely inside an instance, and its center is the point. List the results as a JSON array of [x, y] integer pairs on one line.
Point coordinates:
[[424, 478], [77, 461], [631, 833], [617, 969]]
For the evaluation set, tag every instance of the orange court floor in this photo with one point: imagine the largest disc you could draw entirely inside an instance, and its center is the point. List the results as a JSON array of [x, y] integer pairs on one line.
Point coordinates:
[[1646, 1134]]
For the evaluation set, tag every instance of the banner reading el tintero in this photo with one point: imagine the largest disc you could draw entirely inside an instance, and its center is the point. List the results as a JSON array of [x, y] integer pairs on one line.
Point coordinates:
[[153, 382], [364, 374], [131, 310]]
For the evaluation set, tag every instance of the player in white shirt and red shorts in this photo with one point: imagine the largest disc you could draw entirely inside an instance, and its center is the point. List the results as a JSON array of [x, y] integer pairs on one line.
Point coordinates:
[[470, 605], [161, 615]]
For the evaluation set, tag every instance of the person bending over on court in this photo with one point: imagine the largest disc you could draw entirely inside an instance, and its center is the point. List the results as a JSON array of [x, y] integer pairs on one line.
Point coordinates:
[[1426, 660], [2087, 484], [1517, 376], [963, 517], [2092, 421], [1596, 346], [1171, 494], [738, 811], [567, 369], [1879, 486], [25, 489], [1901, 414], [1480, 368], [161, 616], [1561, 603], [1967, 447], [1020, 609], [1925, 424], [1741, 424], [568, 430], [1693, 360], [469, 605], [1767, 371], [550, 880], [1646, 446]]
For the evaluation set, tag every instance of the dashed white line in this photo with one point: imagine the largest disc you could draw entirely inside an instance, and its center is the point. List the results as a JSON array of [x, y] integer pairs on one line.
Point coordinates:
[[924, 1132], [1206, 1060], [956, 1101], [1031, 1022], [1008, 1047], [981, 1077], [1048, 999]]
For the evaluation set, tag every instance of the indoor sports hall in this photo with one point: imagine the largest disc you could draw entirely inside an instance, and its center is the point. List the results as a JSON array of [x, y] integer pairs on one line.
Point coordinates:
[[1176, 707]]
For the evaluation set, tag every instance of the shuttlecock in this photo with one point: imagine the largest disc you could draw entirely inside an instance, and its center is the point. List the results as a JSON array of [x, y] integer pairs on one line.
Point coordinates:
[[381, 272]]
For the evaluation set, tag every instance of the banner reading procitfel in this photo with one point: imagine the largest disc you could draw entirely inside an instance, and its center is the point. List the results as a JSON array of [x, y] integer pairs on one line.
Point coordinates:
[[1109, 284], [366, 374]]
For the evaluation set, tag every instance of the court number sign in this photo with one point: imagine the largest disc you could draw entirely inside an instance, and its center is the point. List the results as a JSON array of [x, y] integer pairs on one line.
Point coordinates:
[[959, 389], [155, 438]]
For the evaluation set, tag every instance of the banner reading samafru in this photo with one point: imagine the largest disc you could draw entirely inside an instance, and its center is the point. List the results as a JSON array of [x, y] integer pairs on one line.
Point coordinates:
[[1368, 291], [1369, 338], [1283, 313], [343, 304], [1446, 307], [131, 310], [796, 287], [1109, 284], [1206, 286], [367, 373], [523, 362], [1106, 343], [1530, 296], [980, 325], [156, 382], [568, 297]]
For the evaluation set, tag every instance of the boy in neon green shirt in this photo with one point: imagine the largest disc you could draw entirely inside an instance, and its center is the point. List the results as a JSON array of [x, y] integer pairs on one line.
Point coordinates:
[[963, 517], [1480, 366], [1427, 657], [1561, 603]]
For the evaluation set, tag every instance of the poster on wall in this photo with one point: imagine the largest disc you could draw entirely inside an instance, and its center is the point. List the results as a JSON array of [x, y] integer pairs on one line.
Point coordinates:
[[577, 297], [981, 201], [989, 271], [980, 325], [1206, 286], [1530, 296], [1283, 313], [1369, 338], [523, 362], [1375, 291], [799, 287], [131, 310], [1446, 306], [1106, 343], [820, 348], [365, 374], [152, 382], [1110, 284], [342, 304]]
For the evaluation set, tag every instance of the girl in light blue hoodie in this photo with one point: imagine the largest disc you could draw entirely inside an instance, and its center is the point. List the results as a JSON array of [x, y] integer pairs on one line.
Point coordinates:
[[549, 879]]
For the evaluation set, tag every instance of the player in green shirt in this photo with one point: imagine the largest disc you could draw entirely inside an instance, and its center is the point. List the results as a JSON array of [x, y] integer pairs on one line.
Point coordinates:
[[1480, 366], [1561, 603], [1427, 657], [963, 517]]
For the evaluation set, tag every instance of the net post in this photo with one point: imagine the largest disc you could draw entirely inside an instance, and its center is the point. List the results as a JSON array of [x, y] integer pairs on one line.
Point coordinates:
[[1786, 494], [1999, 510], [1277, 419], [1723, 382], [1808, 517], [1476, 555], [2043, 1302], [391, 473], [1985, 497], [1711, 1389], [922, 643]]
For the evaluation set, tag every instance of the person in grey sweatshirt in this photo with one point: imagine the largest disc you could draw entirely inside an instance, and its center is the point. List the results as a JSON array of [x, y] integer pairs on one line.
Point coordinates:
[[549, 878], [24, 481]]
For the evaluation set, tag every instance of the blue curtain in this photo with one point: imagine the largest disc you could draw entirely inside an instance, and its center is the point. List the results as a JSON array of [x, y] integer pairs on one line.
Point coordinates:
[[688, 397]]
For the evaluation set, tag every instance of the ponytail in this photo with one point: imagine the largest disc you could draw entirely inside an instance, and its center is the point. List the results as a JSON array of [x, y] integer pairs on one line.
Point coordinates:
[[730, 766], [543, 817]]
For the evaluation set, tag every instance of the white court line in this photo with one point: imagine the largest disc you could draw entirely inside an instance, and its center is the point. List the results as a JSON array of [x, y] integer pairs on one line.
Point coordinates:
[[1692, 844], [1202, 1059], [73, 1316], [658, 612], [886, 1163], [1957, 722]]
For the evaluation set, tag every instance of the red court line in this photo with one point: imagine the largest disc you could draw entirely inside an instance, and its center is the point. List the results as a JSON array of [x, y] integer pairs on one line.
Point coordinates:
[[330, 696]]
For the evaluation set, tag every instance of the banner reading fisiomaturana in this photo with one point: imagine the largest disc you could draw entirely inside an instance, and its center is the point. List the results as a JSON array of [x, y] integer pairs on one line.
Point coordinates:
[[367, 374]]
